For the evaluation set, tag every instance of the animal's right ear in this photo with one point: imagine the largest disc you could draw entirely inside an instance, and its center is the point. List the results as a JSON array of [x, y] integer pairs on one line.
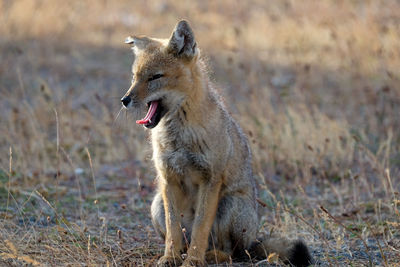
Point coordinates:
[[182, 42], [137, 43], [129, 40]]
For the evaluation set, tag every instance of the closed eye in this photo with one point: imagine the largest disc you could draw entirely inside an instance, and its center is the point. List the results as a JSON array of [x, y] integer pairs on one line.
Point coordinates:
[[155, 77]]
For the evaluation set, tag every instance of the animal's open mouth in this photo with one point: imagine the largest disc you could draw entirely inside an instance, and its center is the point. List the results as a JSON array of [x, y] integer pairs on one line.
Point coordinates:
[[154, 114]]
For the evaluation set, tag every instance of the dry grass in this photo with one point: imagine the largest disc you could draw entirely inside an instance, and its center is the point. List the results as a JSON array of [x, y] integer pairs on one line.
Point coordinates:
[[315, 85]]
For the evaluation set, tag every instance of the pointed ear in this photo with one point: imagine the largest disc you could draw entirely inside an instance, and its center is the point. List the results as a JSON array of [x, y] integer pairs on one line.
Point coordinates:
[[137, 43], [129, 40], [182, 42]]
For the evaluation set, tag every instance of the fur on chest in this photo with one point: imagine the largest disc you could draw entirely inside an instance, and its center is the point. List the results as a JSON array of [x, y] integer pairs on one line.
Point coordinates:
[[181, 162], [181, 153]]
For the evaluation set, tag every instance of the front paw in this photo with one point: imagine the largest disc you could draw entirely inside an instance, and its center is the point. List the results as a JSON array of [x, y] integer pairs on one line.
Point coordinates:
[[168, 261], [193, 262]]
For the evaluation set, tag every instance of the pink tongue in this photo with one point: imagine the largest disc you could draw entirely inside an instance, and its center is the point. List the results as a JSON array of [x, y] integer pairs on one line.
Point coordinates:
[[150, 113]]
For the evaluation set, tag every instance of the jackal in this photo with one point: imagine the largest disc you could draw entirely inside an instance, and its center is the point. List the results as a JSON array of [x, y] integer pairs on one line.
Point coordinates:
[[205, 207]]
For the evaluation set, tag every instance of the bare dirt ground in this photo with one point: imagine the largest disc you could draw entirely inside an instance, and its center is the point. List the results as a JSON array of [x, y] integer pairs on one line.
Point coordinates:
[[314, 84]]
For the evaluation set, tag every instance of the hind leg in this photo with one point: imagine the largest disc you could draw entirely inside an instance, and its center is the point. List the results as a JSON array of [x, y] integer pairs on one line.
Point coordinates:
[[217, 256], [158, 219], [158, 215], [235, 227]]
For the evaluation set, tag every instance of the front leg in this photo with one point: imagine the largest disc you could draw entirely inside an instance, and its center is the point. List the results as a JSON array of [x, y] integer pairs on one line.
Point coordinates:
[[206, 208], [173, 235]]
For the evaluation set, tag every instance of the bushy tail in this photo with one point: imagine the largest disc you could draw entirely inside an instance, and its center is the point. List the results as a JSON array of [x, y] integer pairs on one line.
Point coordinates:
[[291, 252]]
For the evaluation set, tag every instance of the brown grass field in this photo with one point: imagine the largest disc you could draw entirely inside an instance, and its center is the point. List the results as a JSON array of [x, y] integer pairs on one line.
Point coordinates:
[[314, 84]]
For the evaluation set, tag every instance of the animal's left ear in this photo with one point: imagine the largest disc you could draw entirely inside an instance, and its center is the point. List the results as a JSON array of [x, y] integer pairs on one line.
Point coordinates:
[[182, 42]]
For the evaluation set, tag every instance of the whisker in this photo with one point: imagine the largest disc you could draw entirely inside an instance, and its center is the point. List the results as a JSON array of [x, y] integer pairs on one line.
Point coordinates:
[[116, 117]]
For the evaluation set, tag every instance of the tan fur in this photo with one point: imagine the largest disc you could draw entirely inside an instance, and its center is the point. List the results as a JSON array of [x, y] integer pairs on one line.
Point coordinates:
[[206, 190]]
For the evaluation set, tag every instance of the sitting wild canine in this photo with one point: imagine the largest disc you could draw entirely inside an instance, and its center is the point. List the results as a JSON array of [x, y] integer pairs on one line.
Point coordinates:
[[205, 208]]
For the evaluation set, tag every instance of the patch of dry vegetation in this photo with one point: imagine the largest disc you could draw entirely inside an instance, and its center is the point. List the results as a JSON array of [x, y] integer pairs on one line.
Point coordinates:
[[315, 85]]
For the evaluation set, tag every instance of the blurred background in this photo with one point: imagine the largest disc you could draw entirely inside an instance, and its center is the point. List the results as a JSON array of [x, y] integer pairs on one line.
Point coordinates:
[[314, 84]]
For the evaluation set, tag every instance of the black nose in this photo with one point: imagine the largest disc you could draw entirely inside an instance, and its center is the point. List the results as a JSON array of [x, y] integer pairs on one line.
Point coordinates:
[[126, 100]]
